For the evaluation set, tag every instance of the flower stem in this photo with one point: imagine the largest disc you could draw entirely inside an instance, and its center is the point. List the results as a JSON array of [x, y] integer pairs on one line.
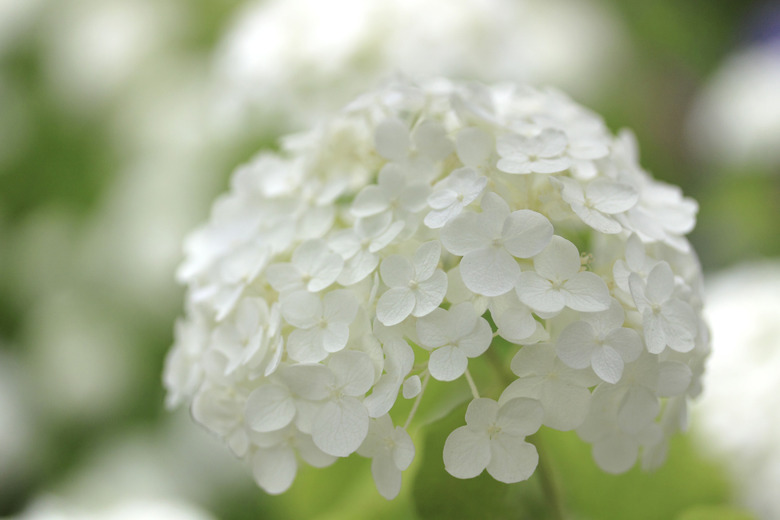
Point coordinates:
[[474, 391], [416, 404]]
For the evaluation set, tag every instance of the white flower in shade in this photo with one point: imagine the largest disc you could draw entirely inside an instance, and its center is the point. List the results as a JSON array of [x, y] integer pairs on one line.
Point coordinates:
[[598, 201], [490, 241], [494, 439], [322, 323], [391, 451], [600, 341], [275, 459], [313, 267], [557, 282], [562, 390], [416, 288], [394, 193], [452, 194], [360, 246], [667, 321], [543, 153], [453, 336], [376, 253], [636, 261]]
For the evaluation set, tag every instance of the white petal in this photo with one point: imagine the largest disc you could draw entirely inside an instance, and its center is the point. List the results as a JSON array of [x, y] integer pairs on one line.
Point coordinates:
[[353, 370], [310, 382], [464, 234], [477, 342], [306, 345], [396, 271], [626, 342], [269, 407], [597, 220], [274, 469], [637, 409], [283, 277], [358, 267], [526, 233], [395, 305], [481, 413], [575, 345], [432, 329], [533, 360], [442, 198], [512, 459], [403, 451], [607, 364], [490, 271], [310, 453], [430, 293], [334, 337], [565, 405], [386, 476], [520, 416], [447, 363], [560, 260], [340, 306], [426, 258], [611, 197], [586, 292], [537, 293], [392, 139], [301, 309], [340, 427], [679, 323], [550, 165], [326, 272], [370, 201], [466, 452], [474, 146], [412, 387], [615, 454], [660, 283], [674, 378], [431, 140], [655, 337]]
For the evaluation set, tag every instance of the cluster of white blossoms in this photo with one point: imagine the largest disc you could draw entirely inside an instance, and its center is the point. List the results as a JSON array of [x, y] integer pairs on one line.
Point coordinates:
[[395, 243]]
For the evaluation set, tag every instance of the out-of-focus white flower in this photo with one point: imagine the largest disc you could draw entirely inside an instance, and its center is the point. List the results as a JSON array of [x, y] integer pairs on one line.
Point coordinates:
[[52, 508], [736, 118], [384, 261], [18, 432], [736, 417], [299, 59]]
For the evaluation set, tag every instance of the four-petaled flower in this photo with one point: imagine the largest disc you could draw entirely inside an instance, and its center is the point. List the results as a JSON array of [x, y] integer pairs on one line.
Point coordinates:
[[494, 439], [490, 241], [416, 287], [557, 282], [542, 153], [453, 336], [391, 450]]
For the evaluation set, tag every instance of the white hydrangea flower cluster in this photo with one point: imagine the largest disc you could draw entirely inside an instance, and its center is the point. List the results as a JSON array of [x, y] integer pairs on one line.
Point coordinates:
[[393, 244]]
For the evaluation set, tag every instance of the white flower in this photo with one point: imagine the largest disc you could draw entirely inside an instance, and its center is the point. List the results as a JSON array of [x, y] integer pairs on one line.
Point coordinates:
[[600, 341], [373, 254], [322, 323], [557, 281], [667, 321], [542, 153], [313, 267], [452, 194], [562, 391], [494, 439], [453, 336], [275, 464], [598, 201], [415, 288], [391, 450], [490, 240]]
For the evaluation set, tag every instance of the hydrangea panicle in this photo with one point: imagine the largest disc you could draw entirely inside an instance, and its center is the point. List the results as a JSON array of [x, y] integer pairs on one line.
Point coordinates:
[[391, 245]]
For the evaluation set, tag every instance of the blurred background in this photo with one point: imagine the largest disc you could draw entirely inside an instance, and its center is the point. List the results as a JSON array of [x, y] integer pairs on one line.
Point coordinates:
[[121, 120]]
